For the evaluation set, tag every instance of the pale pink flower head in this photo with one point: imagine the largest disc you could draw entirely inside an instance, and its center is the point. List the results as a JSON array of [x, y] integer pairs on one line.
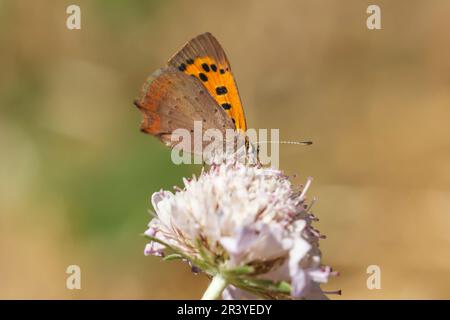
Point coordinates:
[[248, 224]]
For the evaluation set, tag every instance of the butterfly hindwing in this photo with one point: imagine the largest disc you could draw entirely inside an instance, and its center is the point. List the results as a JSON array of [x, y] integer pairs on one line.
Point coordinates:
[[204, 58], [171, 99]]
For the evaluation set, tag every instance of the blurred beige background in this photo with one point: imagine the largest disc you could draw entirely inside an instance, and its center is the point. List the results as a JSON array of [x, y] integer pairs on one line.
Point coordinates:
[[76, 174]]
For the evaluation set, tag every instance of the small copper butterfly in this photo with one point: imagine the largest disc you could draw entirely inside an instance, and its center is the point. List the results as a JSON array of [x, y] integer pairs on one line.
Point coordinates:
[[196, 85]]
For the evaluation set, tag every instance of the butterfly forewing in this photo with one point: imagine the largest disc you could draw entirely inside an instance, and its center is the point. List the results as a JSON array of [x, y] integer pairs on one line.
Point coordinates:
[[204, 59]]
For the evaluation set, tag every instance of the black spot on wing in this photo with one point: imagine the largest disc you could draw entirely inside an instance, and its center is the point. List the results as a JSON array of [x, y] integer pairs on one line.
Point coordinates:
[[221, 90], [205, 67], [226, 106], [203, 77]]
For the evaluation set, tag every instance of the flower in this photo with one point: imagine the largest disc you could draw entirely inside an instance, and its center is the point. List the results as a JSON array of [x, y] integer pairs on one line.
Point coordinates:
[[246, 224]]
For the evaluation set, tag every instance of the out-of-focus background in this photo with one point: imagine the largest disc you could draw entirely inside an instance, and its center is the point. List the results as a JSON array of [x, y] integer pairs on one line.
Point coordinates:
[[76, 174]]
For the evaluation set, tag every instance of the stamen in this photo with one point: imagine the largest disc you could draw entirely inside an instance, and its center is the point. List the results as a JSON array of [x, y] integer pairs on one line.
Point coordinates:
[[305, 188], [314, 200]]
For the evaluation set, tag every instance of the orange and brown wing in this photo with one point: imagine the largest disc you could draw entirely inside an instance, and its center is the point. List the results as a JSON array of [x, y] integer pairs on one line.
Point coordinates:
[[172, 100], [204, 58]]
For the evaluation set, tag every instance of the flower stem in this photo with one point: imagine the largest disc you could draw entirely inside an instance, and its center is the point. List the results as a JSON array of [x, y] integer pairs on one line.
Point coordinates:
[[215, 288]]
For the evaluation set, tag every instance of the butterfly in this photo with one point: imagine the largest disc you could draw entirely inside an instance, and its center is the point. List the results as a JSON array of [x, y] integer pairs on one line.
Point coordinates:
[[196, 85]]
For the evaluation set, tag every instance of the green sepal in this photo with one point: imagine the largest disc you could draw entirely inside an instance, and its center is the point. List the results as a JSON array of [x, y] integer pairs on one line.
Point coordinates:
[[173, 256], [240, 270]]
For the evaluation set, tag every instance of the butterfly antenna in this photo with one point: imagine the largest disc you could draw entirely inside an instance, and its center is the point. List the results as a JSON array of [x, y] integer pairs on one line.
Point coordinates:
[[304, 143]]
